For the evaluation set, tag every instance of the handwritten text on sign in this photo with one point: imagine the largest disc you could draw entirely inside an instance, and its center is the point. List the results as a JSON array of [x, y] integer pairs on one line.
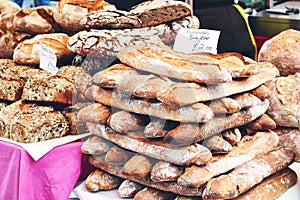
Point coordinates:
[[196, 40], [48, 59]]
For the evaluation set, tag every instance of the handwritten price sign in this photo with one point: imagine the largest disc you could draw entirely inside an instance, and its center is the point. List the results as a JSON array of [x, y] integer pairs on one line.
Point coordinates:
[[48, 59], [196, 40]]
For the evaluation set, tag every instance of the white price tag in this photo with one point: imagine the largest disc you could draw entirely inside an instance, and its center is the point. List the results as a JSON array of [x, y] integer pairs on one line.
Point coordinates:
[[196, 40], [48, 59]]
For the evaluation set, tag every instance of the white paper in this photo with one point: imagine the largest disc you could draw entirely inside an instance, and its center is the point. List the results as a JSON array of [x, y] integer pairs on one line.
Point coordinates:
[[48, 59], [196, 40], [82, 193], [39, 149]]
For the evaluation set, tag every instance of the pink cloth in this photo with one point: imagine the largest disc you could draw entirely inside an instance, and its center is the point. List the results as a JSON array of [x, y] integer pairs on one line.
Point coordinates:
[[51, 177]]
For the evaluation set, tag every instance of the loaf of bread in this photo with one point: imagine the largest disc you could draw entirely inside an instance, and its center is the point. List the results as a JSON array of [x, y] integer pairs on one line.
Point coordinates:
[[272, 187], [101, 180], [291, 139], [107, 43], [151, 193], [217, 145], [245, 176], [128, 189], [138, 166], [7, 6], [37, 20], [69, 12], [282, 50], [28, 51], [37, 124], [165, 171], [284, 106], [95, 146], [117, 155], [52, 89], [248, 148], [11, 90], [7, 114], [152, 13]]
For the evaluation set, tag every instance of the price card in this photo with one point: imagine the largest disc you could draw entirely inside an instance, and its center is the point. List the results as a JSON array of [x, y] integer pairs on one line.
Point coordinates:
[[48, 59], [196, 40]]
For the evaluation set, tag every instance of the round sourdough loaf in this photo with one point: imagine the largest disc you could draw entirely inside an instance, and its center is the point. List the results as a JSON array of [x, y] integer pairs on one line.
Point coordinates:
[[283, 50], [36, 20], [284, 106], [69, 12], [28, 51]]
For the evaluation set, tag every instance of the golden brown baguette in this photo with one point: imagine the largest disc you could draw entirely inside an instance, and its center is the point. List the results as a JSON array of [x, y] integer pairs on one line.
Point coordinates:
[[138, 166], [262, 123], [165, 171], [245, 176], [157, 60], [111, 76], [153, 194], [117, 155], [95, 146], [192, 154], [233, 136], [95, 113], [190, 133], [194, 113], [98, 162], [291, 140], [101, 180], [128, 189], [272, 187], [248, 148], [188, 93], [217, 145]]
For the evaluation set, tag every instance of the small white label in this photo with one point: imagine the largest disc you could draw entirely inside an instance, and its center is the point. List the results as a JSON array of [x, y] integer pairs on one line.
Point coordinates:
[[48, 59], [196, 40]]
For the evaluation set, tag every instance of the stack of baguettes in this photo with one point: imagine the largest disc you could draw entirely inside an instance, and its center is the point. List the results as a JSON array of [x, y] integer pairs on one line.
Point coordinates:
[[169, 125]]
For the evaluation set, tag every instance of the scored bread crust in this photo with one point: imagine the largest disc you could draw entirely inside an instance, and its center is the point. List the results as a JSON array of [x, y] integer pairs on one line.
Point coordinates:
[[283, 51], [284, 106]]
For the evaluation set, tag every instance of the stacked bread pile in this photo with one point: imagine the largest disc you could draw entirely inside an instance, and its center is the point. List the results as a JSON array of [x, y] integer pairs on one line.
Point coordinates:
[[170, 125], [22, 31]]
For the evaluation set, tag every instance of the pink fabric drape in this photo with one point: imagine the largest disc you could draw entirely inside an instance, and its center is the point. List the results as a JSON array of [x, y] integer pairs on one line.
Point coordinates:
[[51, 177]]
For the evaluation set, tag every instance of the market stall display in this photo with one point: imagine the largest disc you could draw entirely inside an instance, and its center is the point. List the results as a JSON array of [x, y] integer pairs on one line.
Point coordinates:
[[163, 124]]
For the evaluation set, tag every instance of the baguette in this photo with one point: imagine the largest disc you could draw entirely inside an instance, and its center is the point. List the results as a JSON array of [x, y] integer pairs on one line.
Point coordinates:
[[95, 146], [181, 94], [165, 171], [193, 154], [154, 194], [216, 144], [98, 162], [117, 156], [245, 176], [128, 189], [233, 136], [138, 166], [190, 133], [291, 140], [157, 60], [94, 113], [156, 128], [195, 113], [271, 187], [101, 180], [248, 148]]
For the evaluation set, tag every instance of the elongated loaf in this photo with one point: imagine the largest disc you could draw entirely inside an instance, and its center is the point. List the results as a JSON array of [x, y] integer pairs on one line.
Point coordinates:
[[195, 153]]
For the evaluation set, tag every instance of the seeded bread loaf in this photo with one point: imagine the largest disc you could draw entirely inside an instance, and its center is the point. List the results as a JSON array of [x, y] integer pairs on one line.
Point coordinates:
[[152, 13], [52, 89], [11, 90], [38, 124]]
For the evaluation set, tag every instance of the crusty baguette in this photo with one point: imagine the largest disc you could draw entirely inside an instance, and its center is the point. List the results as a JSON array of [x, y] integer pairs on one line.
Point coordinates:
[[193, 154], [111, 76], [156, 128], [138, 166], [98, 162], [261, 92], [128, 189], [264, 122], [216, 144], [248, 148], [194, 113], [101, 180], [165, 171], [188, 93], [271, 187], [123, 122], [224, 105], [95, 113], [164, 62], [291, 140], [154, 194], [117, 155], [245, 176], [190, 132], [233, 136], [95, 146]]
